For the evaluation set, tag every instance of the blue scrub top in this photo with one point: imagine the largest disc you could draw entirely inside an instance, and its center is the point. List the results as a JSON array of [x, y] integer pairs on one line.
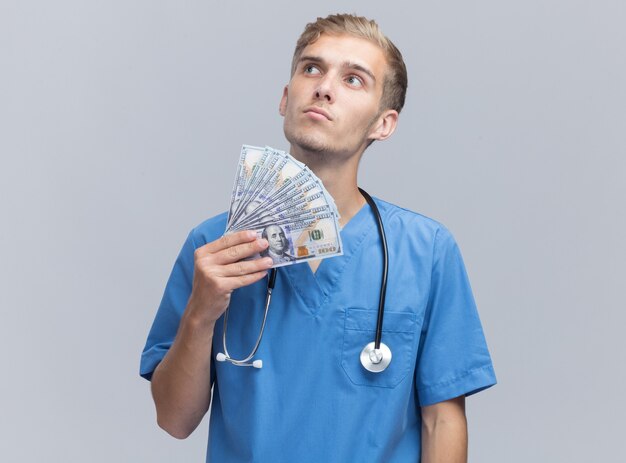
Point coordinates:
[[313, 401]]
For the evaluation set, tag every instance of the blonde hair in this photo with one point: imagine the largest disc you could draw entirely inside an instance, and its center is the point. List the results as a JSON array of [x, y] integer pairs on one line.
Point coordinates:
[[395, 82]]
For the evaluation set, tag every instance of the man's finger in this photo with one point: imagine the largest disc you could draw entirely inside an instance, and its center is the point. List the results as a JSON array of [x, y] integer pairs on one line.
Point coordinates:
[[246, 267], [245, 280], [240, 251], [229, 240]]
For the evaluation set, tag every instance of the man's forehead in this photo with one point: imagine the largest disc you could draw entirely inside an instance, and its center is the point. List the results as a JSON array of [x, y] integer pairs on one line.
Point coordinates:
[[347, 49]]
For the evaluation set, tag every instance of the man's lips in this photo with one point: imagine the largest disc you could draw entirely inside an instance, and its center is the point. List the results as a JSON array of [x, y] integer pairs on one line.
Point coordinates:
[[318, 113]]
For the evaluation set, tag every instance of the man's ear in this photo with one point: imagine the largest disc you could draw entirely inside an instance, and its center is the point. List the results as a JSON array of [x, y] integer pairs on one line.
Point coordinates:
[[384, 126], [282, 107]]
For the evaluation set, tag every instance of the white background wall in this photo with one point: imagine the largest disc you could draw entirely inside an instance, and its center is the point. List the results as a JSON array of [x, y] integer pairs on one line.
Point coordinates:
[[120, 127]]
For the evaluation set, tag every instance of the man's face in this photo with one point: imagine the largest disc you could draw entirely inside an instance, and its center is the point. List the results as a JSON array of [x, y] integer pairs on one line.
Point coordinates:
[[276, 239], [332, 103]]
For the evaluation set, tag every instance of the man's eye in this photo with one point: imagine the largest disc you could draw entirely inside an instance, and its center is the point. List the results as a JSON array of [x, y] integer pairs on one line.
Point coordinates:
[[310, 69], [354, 81]]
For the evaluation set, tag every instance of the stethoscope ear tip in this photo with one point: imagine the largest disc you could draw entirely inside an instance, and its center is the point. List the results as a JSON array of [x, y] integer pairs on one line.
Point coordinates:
[[221, 357]]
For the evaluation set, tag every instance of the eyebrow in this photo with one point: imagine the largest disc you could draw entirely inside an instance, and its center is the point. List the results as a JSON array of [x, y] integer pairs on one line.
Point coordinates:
[[347, 64]]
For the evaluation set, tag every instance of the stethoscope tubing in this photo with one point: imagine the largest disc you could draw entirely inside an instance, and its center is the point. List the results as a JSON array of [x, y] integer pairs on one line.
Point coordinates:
[[268, 298], [383, 284]]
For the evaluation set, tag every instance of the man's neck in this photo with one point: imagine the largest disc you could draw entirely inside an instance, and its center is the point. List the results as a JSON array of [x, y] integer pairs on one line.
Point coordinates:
[[339, 179]]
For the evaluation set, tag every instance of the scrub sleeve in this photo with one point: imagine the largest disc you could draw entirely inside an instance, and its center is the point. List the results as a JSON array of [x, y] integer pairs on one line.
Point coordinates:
[[173, 304], [452, 358]]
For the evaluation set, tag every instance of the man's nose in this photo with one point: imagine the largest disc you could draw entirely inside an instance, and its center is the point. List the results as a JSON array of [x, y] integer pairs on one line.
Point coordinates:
[[325, 90]]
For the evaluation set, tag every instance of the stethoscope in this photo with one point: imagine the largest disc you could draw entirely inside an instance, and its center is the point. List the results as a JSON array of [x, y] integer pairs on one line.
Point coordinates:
[[375, 356]]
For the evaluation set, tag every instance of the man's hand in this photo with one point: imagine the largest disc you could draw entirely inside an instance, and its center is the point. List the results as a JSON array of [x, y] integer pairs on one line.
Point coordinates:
[[219, 270], [181, 383]]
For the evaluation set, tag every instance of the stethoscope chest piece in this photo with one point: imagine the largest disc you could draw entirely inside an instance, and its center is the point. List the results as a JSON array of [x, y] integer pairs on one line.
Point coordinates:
[[375, 360]]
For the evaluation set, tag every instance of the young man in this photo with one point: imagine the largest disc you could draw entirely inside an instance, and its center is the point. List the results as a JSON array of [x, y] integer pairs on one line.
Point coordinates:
[[313, 401]]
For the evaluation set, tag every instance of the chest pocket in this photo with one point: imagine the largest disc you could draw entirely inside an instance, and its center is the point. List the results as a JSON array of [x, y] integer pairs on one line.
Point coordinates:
[[399, 333]]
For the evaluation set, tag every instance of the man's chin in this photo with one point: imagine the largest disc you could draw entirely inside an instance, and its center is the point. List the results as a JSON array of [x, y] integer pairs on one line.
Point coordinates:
[[308, 143]]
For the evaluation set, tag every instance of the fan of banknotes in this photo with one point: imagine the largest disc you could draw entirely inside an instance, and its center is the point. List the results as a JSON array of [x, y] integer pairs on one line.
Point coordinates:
[[285, 203]]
